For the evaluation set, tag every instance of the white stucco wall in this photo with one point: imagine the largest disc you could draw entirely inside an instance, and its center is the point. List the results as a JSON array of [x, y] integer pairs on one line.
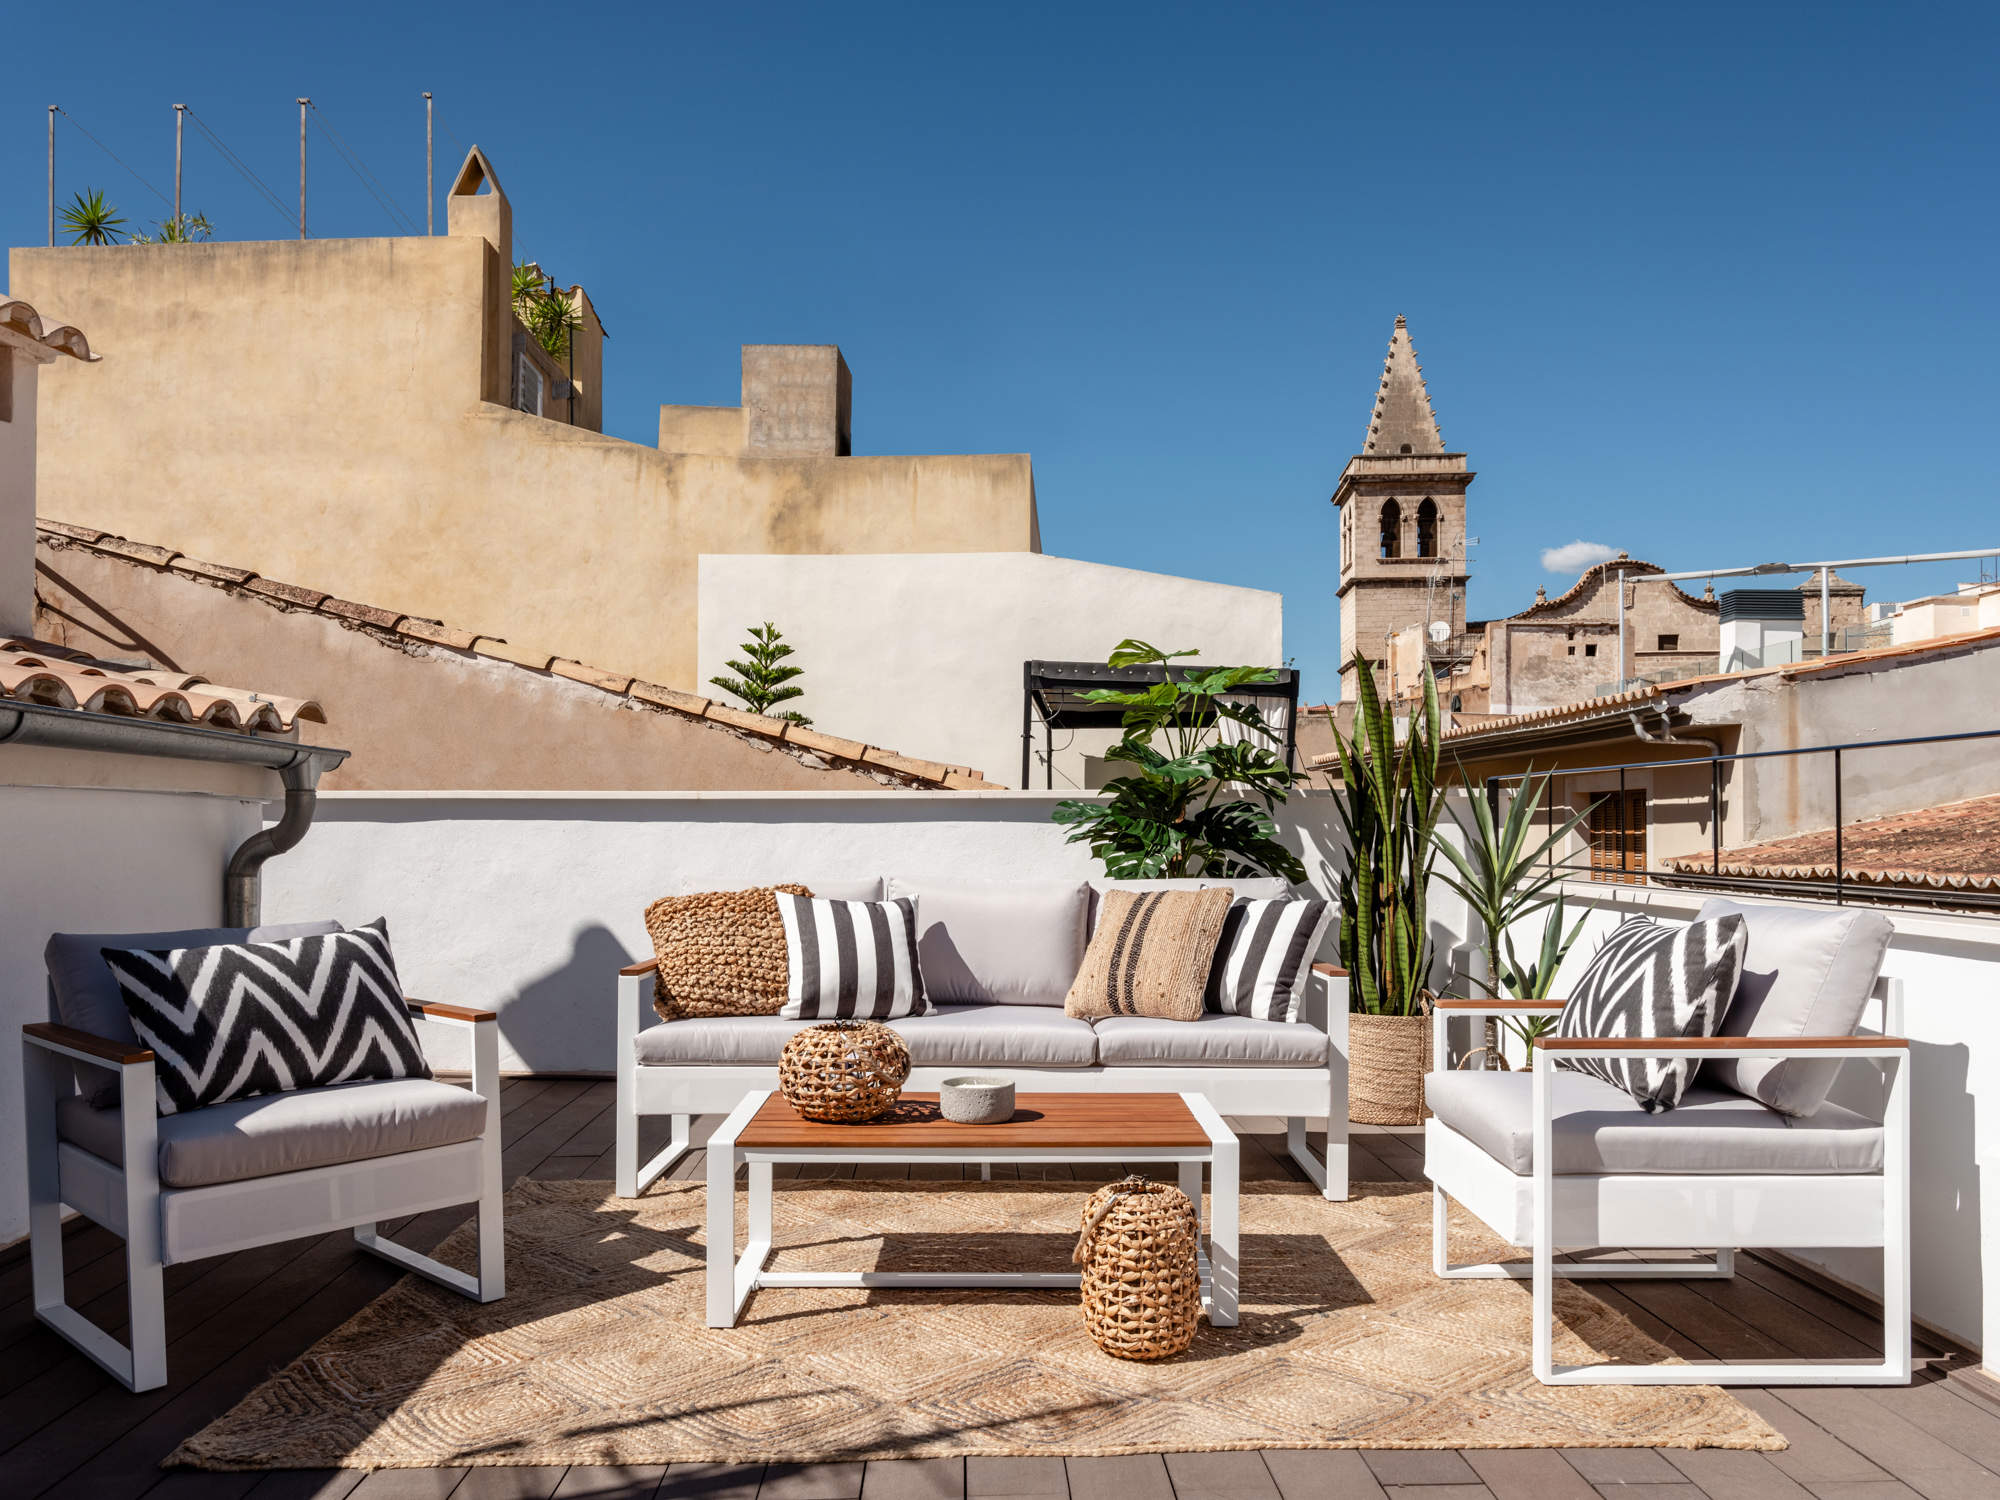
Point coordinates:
[[137, 850], [1950, 968], [17, 494], [924, 655], [526, 903]]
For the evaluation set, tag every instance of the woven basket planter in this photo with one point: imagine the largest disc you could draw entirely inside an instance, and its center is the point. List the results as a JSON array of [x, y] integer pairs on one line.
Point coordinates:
[[1387, 1057], [843, 1071], [1141, 1280]]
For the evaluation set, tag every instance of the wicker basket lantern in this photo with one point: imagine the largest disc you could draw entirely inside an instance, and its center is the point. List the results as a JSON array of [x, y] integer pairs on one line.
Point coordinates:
[[1387, 1057], [1141, 1278], [843, 1071]]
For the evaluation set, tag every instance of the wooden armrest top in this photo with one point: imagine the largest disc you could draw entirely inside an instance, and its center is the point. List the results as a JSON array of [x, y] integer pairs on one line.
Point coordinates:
[[1661, 1044], [1495, 1006], [645, 968], [1332, 971], [83, 1041], [451, 1012]]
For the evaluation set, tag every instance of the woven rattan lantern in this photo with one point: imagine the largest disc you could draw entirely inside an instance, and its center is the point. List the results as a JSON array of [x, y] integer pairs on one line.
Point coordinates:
[[843, 1071], [1141, 1278]]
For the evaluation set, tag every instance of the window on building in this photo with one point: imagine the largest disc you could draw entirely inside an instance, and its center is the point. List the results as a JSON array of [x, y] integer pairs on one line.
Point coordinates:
[[1406, 448], [6, 384], [1618, 838], [1427, 529], [1590, 648], [527, 386], [1392, 529], [1572, 650], [1670, 643]]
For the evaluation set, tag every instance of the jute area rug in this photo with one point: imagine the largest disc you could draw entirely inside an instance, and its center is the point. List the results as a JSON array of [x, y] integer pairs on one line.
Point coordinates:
[[599, 1354]]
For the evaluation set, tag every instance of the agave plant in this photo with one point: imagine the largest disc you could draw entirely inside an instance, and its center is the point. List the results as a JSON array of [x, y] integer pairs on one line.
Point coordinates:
[[546, 312], [177, 229], [92, 221], [1388, 803]]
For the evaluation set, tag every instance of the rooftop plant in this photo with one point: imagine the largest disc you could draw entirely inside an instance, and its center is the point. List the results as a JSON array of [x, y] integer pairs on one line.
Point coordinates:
[[91, 221], [177, 229], [762, 680], [546, 311], [1184, 809]]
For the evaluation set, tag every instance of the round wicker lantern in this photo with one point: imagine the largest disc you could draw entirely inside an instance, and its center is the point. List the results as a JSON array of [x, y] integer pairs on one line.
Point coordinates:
[[1387, 1057], [843, 1071], [1141, 1280]]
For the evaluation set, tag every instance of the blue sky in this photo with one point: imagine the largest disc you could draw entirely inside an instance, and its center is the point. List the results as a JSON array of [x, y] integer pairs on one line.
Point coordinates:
[[1709, 283]]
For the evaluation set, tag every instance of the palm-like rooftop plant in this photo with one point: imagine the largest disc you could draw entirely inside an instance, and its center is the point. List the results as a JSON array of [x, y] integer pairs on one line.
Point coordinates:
[[92, 221]]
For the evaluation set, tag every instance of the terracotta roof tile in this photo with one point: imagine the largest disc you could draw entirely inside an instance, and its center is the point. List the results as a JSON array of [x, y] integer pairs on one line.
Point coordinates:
[[168, 698], [57, 677], [1952, 847], [19, 318]]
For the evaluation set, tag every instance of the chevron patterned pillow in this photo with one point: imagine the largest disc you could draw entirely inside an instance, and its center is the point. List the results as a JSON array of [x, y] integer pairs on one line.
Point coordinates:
[[240, 1019], [1652, 980]]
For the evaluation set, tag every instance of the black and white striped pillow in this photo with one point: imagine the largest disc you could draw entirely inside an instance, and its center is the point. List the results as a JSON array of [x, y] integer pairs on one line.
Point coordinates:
[[851, 959], [239, 1019], [1648, 979], [1264, 959]]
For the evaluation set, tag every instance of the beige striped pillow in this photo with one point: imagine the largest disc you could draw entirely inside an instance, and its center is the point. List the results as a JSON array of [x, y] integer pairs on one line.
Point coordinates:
[[1150, 955]]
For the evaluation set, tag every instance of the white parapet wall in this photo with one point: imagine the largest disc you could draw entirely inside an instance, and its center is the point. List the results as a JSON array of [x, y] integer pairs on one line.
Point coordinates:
[[1950, 972], [923, 655]]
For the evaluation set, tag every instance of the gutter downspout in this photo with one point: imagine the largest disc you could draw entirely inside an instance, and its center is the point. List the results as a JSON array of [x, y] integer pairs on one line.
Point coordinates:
[[299, 766], [1667, 735]]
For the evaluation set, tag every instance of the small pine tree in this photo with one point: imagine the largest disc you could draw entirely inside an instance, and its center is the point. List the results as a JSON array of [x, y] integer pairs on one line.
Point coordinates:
[[761, 680]]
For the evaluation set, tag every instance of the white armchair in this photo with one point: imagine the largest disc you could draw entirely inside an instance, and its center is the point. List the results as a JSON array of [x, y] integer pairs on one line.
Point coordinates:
[[250, 1172]]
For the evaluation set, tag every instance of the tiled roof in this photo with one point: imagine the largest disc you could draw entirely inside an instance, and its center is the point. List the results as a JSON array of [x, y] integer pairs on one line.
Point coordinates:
[[57, 677], [19, 317], [405, 628], [1953, 847]]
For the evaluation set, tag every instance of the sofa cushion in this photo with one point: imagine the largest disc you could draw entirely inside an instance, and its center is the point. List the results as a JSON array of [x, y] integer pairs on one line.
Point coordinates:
[[1019, 943], [1600, 1128], [87, 997], [847, 888], [275, 1133], [1253, 887], [985, 1036], [1150, 956], [1212, 1041], [1805, 973], [951, 1036]]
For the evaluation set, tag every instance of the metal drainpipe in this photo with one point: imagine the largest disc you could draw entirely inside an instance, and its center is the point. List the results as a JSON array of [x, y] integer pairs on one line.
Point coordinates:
[[243, 880]]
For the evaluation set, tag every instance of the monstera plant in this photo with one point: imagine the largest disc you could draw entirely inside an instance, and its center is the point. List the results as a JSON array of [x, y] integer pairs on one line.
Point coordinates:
[[1196, 802]]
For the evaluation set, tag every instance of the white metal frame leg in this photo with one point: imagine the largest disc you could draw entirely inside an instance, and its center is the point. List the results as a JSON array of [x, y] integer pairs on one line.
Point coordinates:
[[1223, 1210], [729, 1281]]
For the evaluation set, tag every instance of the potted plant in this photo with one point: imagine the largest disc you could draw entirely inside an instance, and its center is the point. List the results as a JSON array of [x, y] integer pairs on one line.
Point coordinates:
[[1183, 811], [1388, 802]]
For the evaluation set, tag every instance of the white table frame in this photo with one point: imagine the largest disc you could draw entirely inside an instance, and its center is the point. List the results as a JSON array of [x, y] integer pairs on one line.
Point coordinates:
[[733, 1277]]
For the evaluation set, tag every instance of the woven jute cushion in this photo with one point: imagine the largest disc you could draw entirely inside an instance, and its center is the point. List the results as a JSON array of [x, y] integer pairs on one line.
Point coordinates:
[[721, 953], [1150, 955]]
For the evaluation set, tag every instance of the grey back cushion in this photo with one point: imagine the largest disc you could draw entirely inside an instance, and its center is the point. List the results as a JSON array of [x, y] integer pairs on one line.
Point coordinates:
[[849, 889], [86, 997], [1251, 888], [1019, 943], [1805, 973]]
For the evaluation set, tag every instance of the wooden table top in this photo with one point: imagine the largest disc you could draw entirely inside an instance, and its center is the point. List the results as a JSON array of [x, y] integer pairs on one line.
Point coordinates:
[[1041, 1122]]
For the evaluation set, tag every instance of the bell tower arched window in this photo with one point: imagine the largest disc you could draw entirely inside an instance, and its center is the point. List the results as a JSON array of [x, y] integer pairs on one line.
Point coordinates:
[[1427, 529], [1392, 529]]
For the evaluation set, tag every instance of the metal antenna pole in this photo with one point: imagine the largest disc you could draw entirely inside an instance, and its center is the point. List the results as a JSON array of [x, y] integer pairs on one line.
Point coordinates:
[[430, 180], [180, 111], [302, 166], [52, 175], [1621, 631], [1825, 613]]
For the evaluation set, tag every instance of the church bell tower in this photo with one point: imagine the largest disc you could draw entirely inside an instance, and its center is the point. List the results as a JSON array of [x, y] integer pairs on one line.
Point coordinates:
[[1401, 504]]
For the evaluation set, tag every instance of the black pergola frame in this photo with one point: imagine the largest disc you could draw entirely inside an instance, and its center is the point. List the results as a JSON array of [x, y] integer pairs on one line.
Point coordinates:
[[1052, 692]]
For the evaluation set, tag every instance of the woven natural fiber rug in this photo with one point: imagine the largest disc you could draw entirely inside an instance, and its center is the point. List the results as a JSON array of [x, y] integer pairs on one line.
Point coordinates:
[[599, 1354]]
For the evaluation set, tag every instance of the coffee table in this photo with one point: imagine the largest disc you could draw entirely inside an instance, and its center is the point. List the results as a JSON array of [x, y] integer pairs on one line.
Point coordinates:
[[763, 1130]]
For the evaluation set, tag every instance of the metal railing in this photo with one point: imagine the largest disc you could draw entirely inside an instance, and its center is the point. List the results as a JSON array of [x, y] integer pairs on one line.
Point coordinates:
[[1840, 888]]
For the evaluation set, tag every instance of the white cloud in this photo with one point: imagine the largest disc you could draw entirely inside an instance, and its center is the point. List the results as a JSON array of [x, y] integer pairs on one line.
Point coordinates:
[[1574, 557]]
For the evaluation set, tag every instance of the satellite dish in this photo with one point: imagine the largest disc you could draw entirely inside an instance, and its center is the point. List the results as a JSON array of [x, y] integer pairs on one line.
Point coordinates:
[[1440, 632]]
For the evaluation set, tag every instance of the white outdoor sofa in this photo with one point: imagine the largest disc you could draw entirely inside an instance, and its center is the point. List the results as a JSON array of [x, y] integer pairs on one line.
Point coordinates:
[[231, 1176], [1554, 1161], [999, 958]]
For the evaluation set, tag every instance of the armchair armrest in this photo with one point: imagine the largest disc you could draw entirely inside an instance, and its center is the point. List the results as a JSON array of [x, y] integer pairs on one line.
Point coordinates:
[[431, 1011], [83, 1046], [1500, 1007], [642, 968], [1722, 1046], [1331, 971]]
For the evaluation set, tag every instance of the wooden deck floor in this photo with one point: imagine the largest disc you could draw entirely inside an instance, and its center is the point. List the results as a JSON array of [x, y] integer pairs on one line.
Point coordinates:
[[66, 1430]]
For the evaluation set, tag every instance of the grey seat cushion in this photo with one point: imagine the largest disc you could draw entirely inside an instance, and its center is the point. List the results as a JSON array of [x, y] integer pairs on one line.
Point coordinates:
[[1017, 943], [1598, 1128], [1214, 1041], [275, 1133], [87, 997], [951, 1036], [1805, 973]]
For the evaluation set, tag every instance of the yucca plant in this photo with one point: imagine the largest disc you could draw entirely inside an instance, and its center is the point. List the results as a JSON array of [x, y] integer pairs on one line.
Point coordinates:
[[92, 221], [1388, 803]]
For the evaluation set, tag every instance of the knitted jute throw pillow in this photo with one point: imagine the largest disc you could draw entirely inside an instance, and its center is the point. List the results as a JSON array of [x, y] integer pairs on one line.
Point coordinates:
[[721, 953], [1150, 955]]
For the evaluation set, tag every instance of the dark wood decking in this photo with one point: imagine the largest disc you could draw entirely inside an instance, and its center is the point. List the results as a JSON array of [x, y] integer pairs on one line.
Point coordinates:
[[67, 1430]]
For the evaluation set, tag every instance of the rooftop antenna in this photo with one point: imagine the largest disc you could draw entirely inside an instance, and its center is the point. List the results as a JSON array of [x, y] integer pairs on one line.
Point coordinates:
[[430, 181], [52, 174], [180, 113], [304, 104]]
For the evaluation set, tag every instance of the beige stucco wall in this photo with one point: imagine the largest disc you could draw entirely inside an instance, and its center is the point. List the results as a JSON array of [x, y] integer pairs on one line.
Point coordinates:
[[416, 716], [320, 412], [928, 659]]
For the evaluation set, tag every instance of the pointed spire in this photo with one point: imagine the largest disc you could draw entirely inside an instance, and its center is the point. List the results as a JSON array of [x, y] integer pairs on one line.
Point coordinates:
[[1402, 421]]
